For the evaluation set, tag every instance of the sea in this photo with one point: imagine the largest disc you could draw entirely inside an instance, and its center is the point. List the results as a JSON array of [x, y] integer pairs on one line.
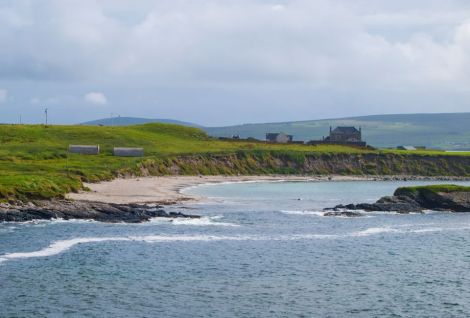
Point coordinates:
[[261, 249]]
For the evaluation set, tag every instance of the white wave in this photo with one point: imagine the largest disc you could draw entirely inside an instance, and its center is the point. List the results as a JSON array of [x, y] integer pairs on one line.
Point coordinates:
[[303, 212], [427, 230], [61, 246], [375, 231], [440, 229], [319, 213], [403, 229], [58, 247], [203, 221], [196, 238], [312, 236], [64, 245], [43, 223]]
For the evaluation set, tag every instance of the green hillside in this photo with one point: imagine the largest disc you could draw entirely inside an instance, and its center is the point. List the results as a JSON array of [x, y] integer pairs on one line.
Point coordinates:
[[443, 131], [34, 161]]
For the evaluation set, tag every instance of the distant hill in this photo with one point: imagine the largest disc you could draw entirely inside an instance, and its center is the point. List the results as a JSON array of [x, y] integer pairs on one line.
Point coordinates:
[[127, 121], [449, 131]]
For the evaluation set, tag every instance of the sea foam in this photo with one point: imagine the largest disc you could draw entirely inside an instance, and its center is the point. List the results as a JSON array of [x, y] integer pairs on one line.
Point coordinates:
[[203, 221], [65, 245], [303, 212]]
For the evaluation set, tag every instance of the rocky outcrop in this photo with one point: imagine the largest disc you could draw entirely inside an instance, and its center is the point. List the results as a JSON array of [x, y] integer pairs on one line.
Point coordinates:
[[441, 197], [349, 214], [67, 209], [417, 199]]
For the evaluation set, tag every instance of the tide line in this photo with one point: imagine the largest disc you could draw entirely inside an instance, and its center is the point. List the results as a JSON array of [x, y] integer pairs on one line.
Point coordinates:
[[64, 245]]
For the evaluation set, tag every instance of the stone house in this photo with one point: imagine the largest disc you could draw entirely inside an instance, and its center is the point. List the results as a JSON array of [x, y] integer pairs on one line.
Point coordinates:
[[345, 134], [280, 138]]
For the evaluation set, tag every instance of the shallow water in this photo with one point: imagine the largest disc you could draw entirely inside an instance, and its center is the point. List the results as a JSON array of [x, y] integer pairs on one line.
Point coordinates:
[[261, 250]]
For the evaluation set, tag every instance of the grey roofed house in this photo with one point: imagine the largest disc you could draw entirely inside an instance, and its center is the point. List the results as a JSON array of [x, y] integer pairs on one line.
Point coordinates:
[[128, 152], [85, 149], [280, 138], [345, 134], [342, 135]]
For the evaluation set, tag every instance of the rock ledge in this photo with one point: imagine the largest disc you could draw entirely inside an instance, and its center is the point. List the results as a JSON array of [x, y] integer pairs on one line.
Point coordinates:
[[84, 210], [451, 198]]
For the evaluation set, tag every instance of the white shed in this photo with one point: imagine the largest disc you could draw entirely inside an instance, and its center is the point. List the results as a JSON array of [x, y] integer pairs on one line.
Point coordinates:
[[128, 152], [85, 149]]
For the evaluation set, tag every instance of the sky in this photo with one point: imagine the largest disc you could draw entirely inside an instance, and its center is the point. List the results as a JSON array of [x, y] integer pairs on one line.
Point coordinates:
[[223, 62]]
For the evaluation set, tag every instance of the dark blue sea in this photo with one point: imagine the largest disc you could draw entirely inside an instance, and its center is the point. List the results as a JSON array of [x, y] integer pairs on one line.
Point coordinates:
[[260, 250]]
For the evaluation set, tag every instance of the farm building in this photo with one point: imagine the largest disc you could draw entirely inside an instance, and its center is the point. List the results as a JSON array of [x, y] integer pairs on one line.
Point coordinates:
[[280, 138], [345, 134], [128, 152], [342, 135], [85, 149]]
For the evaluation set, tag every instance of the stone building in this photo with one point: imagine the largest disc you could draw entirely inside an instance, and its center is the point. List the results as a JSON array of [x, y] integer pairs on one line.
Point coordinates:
[[342, 135], [280, 138], [345, 134]]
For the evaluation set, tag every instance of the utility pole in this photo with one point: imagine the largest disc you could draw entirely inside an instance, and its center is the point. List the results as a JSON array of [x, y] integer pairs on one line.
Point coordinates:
[[45, 111]]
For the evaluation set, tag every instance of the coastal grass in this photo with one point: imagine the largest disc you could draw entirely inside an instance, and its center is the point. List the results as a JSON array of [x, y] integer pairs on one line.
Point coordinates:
[[431, 189], [35, 163]]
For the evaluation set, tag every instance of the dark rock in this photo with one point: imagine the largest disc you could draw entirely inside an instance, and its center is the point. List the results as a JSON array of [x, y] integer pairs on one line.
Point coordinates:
[[66, 209], [419, 199], [343, 213]]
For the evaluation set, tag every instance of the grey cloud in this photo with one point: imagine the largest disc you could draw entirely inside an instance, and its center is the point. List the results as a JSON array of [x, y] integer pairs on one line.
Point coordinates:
[[347, 48]]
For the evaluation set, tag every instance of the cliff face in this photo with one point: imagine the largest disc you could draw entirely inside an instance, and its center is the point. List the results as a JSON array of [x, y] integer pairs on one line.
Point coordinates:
[[318, 164]]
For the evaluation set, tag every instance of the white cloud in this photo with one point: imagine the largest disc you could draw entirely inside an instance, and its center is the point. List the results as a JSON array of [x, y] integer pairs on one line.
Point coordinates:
[[362, 47], [96, 98], [316, 42], [3, 96]]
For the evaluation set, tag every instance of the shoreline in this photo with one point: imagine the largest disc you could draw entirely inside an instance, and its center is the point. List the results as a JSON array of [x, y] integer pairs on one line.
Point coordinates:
[[136, 200], [168, 190]]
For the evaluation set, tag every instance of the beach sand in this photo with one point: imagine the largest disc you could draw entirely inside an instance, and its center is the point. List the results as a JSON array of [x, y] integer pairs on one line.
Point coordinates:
[[167, 190]]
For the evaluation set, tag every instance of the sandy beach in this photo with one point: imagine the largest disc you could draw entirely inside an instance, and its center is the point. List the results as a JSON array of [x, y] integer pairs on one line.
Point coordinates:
[[167, 190]]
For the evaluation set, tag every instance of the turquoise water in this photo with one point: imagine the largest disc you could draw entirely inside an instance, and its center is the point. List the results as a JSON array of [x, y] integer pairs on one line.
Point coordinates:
[[261, 250]]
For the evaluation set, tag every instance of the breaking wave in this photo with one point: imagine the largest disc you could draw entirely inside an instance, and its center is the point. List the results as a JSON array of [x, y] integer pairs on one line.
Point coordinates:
[[64, 245], [203, 221], [303, 212]]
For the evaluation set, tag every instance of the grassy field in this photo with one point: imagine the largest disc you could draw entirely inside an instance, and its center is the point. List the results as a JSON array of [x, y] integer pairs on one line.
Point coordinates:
[[35, 163]]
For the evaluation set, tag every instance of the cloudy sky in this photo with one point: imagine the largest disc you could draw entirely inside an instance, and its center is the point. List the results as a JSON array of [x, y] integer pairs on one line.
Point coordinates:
[[220, 62]]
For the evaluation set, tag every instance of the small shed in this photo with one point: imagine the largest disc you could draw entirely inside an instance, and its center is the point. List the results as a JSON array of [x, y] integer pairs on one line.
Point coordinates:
[[280, 138], [128, 152], [406, 148], [85, 149]]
